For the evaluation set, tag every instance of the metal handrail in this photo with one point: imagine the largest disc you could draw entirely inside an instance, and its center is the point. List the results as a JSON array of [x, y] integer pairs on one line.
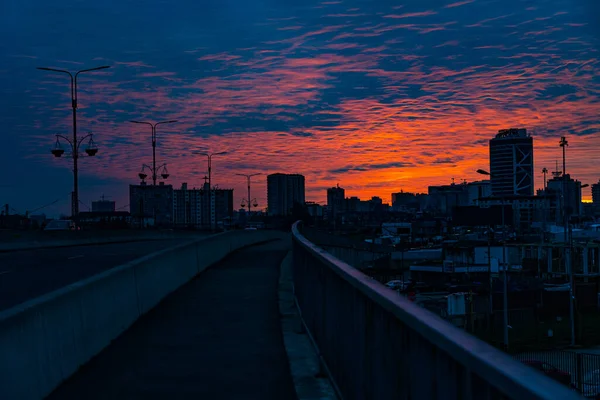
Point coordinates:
[[498, 369]]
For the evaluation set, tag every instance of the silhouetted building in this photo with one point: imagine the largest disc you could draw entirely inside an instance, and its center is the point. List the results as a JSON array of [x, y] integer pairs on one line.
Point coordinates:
[[596, 196], [336, 200], [406, 201], [478, 190], [187, 207], [193, 207], [353, 204], [149, 202], [314, 210], [442, 199], [373, 205], [103, 206], [221, 212], [572, 197], [551, 212], [376, 201], [520, 211], [283, 191], [105, 219], [511, 163]]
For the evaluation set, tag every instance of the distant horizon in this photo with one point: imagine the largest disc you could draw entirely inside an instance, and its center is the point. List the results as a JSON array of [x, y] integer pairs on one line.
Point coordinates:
[[321, 202]]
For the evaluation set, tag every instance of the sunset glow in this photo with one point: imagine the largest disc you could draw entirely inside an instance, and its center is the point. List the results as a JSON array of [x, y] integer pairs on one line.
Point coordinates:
[[376, 96]]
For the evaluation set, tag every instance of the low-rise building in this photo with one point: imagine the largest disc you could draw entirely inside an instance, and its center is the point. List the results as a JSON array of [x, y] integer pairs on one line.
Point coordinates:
[[202, 208], [187, 207], [153, 202], [103, 205]]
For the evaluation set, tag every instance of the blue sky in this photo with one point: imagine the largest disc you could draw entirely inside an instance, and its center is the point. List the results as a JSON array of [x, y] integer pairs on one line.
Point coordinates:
[[375, 95]]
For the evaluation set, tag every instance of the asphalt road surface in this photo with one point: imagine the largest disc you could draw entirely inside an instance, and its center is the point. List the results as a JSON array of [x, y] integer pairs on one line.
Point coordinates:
[[31, 273], [217, 337]]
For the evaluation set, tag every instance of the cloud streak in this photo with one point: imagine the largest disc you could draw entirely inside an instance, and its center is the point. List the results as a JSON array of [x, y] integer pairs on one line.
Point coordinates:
[[376, 98]]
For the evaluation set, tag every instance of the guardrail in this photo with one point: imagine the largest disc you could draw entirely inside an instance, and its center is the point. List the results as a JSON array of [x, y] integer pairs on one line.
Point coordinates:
[[378, 345], [45, 340]]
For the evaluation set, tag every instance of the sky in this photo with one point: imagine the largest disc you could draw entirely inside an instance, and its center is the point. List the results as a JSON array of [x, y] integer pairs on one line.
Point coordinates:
[[376, 96]]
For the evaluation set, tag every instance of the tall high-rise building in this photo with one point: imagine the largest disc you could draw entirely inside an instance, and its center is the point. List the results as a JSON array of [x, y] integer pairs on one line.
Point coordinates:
[[336, 197], [283, 191], [511, 163]]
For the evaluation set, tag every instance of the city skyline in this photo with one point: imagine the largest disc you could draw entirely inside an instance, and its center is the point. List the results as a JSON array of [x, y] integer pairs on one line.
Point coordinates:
[[375, 97]]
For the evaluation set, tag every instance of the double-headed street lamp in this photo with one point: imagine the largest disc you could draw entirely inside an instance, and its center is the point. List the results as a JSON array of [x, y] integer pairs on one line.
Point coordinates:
[[209, 156], [251, 202], [154, 169], [91, 150]]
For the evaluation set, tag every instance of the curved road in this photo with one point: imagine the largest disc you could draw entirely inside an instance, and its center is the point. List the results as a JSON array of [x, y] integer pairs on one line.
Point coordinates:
[[31, 273], [217, 337]]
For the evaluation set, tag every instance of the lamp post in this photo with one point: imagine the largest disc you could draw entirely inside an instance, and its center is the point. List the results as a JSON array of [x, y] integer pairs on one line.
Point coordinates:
[[250, 199], [74, 142], [544, 207], [567, 239], [154, 169], [564, 143], [209, 156], [90, 150], [505, 283]]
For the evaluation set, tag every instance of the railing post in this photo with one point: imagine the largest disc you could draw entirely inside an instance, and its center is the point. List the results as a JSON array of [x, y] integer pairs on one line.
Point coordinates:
[[579, 370]]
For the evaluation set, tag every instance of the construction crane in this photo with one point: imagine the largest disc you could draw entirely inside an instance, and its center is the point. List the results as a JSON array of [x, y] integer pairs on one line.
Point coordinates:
[[40, 208], [6, 209], [85, 205]]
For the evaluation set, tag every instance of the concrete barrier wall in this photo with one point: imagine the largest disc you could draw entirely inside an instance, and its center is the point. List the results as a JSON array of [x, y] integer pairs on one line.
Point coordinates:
[[45, 340], [70, 239], [164, 273]]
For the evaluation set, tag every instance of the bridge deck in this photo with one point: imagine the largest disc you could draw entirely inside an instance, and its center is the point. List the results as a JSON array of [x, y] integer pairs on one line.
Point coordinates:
[[218, 337]]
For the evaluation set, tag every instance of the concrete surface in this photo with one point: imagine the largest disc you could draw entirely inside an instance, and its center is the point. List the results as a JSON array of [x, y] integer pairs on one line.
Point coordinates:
[[46, 340], [217, 337], [35, 240], [310, 381], [31, 273]]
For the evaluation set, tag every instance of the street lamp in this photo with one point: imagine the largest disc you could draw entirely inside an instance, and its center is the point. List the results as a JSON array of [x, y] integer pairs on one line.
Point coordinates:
[[209, 156], [564, 144], [505, 285], [544, 207], [567, 242], [154, 169], [249, 199], [91, 150]]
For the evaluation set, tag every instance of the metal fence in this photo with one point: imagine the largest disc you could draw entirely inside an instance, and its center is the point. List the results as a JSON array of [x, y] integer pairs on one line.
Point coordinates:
[[378, 345], [582, 368]]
